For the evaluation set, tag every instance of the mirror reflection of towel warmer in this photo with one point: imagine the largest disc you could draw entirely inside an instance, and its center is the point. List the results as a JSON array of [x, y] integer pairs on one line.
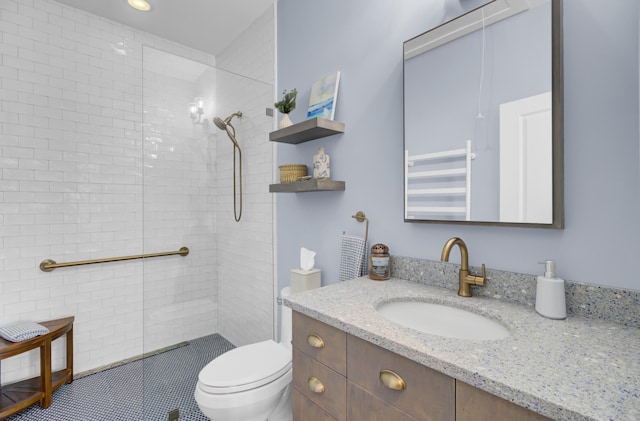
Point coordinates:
[[442, 192]]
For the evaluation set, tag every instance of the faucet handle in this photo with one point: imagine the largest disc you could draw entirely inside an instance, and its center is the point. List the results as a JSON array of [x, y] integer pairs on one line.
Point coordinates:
[[477, 280], [482, 277]]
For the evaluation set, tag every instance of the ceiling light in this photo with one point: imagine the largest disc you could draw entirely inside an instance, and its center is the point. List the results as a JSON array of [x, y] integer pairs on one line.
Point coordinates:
[[139, 5]]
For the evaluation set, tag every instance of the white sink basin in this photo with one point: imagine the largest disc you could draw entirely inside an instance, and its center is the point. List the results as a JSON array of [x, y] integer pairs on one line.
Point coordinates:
[[442, 320]]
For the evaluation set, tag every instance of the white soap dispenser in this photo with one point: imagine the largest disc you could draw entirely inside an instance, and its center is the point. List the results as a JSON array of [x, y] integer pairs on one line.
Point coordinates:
[[550, 300]]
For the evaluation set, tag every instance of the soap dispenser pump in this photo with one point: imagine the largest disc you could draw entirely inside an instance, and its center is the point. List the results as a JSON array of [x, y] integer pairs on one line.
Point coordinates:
[[550, 295]]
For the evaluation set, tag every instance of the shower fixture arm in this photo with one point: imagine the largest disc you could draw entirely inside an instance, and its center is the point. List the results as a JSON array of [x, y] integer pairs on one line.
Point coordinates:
[[236, 114], [231, 133]]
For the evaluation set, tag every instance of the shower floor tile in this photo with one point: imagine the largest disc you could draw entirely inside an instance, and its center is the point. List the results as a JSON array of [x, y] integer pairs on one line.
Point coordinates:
[[146, 389]]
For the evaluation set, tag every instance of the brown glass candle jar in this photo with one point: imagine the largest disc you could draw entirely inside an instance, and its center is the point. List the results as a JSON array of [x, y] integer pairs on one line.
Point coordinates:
[[379, 263]]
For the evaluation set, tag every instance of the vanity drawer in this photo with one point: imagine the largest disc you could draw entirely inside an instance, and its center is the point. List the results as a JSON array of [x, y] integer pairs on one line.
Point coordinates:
[[363, 406], [428, 395], [320, 341], [320, 384], [305, 410]]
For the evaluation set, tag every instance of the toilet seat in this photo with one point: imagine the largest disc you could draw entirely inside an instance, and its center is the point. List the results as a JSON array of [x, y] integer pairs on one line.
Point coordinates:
[[245, 368]]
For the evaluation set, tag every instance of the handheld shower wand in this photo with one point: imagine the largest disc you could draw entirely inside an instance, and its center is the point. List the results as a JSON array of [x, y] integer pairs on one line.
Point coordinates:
[[231, 132]]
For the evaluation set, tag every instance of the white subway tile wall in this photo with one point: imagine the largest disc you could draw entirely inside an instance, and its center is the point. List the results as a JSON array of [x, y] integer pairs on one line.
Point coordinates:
[[245, 250], [97, 161]]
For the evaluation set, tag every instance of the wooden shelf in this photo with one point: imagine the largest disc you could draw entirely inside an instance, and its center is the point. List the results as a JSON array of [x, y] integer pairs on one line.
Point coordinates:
[[307, 130], [308, 185]]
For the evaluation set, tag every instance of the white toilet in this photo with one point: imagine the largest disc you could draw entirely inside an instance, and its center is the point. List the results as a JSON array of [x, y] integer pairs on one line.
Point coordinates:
[[251, 382]]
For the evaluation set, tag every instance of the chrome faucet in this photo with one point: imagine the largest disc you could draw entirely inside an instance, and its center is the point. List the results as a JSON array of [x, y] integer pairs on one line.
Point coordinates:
[[466, 279]]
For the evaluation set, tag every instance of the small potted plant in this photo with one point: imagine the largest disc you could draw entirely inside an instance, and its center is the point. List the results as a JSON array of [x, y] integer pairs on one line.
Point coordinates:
[[285, 106]]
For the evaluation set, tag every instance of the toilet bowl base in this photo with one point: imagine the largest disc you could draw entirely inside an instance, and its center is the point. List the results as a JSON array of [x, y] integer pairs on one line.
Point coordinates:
[[261, 404], [283, 412]]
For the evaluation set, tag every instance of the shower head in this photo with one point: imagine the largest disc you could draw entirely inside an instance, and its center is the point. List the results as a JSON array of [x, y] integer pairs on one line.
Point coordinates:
[[220, 123], [226, 124]]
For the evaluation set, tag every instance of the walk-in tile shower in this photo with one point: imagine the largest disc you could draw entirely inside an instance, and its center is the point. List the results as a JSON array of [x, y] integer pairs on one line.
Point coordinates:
[[100, 156]]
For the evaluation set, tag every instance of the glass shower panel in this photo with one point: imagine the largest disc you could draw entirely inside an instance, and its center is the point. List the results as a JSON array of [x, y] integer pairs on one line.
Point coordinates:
[[179, 201], [188, 202]]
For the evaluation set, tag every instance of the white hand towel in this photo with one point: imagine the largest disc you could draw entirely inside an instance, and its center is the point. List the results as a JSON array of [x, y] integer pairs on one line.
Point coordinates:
[[352, 258]]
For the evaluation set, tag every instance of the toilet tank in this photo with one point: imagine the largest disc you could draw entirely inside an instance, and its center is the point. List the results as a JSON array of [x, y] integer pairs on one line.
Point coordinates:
[[285, 320]]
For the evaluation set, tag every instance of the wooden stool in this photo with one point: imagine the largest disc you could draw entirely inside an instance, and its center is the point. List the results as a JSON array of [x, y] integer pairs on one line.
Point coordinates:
[[18, 396]]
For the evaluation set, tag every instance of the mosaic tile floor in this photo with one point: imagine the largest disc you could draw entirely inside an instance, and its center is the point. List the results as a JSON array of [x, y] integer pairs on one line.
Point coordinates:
[[141, 390]]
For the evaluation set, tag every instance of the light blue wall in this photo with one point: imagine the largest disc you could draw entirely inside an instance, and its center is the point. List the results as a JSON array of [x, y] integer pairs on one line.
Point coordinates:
[[364, 40]]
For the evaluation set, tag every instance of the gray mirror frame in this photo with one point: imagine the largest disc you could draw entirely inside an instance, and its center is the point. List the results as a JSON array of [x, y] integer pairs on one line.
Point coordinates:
[[557, 99]]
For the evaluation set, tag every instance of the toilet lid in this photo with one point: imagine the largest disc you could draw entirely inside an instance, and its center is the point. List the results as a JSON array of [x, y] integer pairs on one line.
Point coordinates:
[[245, 368]]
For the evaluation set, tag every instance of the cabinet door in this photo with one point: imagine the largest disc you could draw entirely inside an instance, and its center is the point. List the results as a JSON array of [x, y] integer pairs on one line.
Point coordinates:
[[428, 395], [363, 406], [473, 404], [306, 410]]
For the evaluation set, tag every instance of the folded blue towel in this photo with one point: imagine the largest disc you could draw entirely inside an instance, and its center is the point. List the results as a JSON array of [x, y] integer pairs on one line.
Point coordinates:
[[21, 331]]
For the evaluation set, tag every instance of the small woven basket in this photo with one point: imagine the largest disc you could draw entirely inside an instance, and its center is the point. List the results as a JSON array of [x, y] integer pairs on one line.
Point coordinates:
[[291, 172]]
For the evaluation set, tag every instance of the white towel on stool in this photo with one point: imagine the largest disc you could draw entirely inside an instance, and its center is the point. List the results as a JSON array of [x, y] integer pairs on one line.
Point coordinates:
[[352, 258]]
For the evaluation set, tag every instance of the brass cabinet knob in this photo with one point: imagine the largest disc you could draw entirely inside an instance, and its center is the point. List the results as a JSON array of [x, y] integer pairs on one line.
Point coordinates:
[[392, 380], [315, 385], [315, 341]]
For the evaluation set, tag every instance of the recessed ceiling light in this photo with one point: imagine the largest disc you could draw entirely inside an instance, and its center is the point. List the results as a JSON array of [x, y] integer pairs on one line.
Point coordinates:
[[139, 5]]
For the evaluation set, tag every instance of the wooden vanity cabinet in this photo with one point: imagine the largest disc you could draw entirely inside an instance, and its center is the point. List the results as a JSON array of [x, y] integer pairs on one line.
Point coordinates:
[[349, 372]]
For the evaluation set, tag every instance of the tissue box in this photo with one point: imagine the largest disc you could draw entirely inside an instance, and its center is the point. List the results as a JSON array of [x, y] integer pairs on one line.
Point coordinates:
[[303, 280]]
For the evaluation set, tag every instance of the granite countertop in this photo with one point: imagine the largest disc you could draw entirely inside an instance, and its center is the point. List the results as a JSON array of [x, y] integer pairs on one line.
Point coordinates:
[[573, 369]]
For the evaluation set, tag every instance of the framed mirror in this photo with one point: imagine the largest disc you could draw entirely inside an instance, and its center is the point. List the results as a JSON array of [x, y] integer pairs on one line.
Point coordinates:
[[483, 116]]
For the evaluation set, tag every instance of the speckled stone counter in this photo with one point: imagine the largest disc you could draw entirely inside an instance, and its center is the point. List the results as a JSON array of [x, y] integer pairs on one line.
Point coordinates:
[[573, 369]]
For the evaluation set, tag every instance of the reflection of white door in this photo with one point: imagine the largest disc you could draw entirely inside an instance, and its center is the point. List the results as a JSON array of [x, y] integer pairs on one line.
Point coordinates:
[[526, 187]]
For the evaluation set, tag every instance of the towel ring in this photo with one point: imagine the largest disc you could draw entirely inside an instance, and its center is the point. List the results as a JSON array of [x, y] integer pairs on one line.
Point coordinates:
[[360, 216]]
